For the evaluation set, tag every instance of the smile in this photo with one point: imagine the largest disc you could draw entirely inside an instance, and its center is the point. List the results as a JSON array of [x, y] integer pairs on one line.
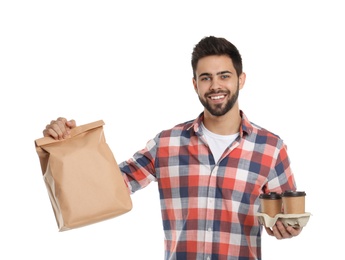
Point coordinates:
[[217, 97]]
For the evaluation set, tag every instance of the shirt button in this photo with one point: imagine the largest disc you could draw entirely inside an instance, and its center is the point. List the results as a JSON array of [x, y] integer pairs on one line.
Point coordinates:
[[208, 258], [209, 229]]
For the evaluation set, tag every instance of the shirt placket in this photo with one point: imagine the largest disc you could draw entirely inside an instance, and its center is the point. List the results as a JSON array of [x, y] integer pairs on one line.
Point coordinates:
[[211, 195]]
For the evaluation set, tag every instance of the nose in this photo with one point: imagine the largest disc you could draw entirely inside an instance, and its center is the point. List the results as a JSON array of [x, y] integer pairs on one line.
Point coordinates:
[[214, 84]]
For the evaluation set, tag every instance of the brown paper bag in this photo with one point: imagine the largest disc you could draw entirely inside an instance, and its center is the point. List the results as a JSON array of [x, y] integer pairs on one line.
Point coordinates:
[[82, 177]]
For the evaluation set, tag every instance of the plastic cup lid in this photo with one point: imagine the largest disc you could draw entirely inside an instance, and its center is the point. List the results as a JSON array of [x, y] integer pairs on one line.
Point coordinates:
[[271, 196], [290, 193]]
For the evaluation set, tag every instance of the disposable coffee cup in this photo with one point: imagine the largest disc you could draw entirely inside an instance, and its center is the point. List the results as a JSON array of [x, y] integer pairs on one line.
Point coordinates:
[[293, 202], [271, 203]]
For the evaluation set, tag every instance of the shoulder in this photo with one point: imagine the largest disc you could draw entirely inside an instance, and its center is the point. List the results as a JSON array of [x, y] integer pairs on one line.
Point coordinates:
[[261, 135], [257, 133], [180, 129]]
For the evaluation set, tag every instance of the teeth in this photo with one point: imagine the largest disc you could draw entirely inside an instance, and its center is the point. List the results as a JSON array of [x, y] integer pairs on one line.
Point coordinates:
[[217, 97]]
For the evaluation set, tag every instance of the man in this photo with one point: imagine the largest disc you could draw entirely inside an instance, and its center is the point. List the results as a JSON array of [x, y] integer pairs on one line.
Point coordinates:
[[211, 170]]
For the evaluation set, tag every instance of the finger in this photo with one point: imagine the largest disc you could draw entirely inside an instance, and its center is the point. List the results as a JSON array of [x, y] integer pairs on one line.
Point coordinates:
[[50, 132], [60, 128], [53, 130], [269, 231], [71, 123], [294, 231], [46, 133], [68, 126], [57, 129], [64, 120], [283, 230], [276, 232]]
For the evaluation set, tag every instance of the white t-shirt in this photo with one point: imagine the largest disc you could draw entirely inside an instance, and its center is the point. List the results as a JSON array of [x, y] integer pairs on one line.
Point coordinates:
[[217, 143]]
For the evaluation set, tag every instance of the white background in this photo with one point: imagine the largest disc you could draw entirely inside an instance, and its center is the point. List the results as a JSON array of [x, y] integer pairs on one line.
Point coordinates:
[[128, 63]]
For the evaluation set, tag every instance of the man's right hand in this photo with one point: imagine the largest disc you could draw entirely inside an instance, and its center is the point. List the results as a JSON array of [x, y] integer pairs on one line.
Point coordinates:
[[59, 129]]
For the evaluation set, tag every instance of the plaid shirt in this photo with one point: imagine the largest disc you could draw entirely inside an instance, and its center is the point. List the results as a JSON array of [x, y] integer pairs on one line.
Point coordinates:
[[208, 208]]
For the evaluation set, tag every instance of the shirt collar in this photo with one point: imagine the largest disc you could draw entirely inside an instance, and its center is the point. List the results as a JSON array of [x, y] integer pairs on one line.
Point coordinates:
[[245, 128]]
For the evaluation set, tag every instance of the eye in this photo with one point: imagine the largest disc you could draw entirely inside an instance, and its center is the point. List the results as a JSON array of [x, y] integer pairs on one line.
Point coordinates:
[[225, 76], [205, 78]]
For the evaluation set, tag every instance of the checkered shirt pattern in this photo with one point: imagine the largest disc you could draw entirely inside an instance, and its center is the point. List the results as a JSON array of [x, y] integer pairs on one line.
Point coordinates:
[[208, 208]]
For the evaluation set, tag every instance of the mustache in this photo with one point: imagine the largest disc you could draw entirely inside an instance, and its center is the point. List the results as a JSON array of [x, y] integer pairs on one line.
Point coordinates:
[[211, 92]]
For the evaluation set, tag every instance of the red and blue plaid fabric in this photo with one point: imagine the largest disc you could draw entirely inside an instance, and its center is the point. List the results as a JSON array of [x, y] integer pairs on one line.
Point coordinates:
[[208, 208]]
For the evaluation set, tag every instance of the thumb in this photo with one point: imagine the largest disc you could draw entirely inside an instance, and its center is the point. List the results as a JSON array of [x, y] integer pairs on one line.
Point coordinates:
[[71, 123]]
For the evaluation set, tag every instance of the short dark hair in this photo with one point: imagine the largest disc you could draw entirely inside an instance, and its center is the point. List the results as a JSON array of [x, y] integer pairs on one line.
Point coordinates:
[[211, 45]]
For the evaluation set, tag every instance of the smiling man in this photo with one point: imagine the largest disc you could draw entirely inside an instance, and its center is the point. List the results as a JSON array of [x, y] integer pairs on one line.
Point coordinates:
[[217, 85], [211, 170]]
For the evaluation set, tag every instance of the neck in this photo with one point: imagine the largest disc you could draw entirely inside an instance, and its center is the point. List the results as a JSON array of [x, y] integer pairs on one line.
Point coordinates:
[[223, 125]]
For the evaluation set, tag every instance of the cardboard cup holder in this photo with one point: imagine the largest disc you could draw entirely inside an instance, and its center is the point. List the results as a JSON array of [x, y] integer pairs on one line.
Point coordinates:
[[294, 220], [289, 207]]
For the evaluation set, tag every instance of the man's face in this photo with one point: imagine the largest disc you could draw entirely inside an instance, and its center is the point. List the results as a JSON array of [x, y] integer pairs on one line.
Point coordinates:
[[217, 84]]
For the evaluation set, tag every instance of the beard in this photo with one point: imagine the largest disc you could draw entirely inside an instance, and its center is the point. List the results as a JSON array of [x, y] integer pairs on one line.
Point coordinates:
[[220, 109]]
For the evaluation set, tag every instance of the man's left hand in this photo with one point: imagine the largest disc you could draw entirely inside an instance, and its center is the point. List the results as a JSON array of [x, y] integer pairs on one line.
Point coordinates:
[[281, 232]]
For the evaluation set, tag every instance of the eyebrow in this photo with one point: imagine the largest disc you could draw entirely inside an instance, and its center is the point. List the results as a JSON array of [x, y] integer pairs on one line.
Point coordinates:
[[218, 73]]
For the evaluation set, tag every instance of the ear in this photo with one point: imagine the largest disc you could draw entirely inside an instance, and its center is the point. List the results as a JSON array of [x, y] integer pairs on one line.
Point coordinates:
[[195, 85], [241, 80]]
